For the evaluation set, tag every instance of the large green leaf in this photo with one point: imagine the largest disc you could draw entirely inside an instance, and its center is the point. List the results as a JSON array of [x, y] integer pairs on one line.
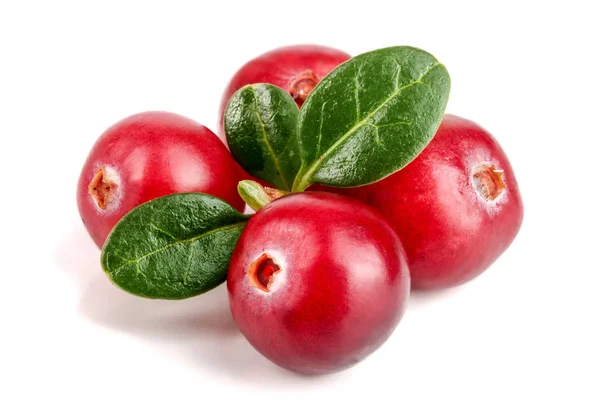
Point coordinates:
[[260, 124], [370, 117], [173, 247]]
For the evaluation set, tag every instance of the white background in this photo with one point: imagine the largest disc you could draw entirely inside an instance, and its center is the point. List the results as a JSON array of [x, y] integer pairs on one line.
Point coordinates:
[[523, 338]]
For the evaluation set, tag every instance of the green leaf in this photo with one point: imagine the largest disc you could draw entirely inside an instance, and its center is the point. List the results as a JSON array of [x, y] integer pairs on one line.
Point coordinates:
[[173, 247], [370, 117], [261, 127], [257, 196]]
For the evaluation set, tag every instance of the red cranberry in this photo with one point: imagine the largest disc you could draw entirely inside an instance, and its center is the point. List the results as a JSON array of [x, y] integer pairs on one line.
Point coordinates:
[[456, 207], [296, 69], [317, 282], [149, 155]]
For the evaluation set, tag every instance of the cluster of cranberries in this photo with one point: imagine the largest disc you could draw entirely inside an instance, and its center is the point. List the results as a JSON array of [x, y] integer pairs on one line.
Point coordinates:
[[319, 279]]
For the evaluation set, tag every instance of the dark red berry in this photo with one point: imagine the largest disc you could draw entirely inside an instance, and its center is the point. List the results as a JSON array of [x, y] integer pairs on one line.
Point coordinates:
[[317, 282], [149, 155], [296, 69], [456, 207]]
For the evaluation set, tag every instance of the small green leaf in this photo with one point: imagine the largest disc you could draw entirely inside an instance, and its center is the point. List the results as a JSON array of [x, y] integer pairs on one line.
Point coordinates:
[[370, 117], [257, 196], [173, 247], [261, 127]]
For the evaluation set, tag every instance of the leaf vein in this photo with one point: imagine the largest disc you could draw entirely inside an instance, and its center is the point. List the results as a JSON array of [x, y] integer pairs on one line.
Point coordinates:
[[392, 124], [162, 230], [190, 240], [268, 144], [377, 139], [398, 72], [141, 272], [321, 127], [356, 86], [189, 267]]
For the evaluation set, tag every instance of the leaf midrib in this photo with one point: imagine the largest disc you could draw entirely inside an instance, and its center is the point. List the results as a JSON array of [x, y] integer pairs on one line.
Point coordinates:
[[168, 246], [301, 184], [264, 131]]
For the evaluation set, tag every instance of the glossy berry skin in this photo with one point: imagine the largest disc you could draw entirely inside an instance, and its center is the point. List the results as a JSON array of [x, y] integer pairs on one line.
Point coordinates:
[[456, 207], [317, 282], [295, 69], [149, 155]]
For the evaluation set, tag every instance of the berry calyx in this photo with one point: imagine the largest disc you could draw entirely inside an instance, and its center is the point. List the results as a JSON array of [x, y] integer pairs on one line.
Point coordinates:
[[261, 272], [103, 187], [488, 181], [302, 85]]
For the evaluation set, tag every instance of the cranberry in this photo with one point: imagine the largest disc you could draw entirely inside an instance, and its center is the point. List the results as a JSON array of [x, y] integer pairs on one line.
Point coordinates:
[[317, 282], [456, 207], [149, 155], [296, 69]]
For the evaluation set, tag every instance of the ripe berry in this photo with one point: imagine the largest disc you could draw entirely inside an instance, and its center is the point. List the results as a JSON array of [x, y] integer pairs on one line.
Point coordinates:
[[296, 69], [317, 282], [456, 207], [149, 155]]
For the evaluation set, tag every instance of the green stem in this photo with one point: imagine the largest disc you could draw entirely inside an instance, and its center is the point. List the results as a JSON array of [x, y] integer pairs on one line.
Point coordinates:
[[300, 184]]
